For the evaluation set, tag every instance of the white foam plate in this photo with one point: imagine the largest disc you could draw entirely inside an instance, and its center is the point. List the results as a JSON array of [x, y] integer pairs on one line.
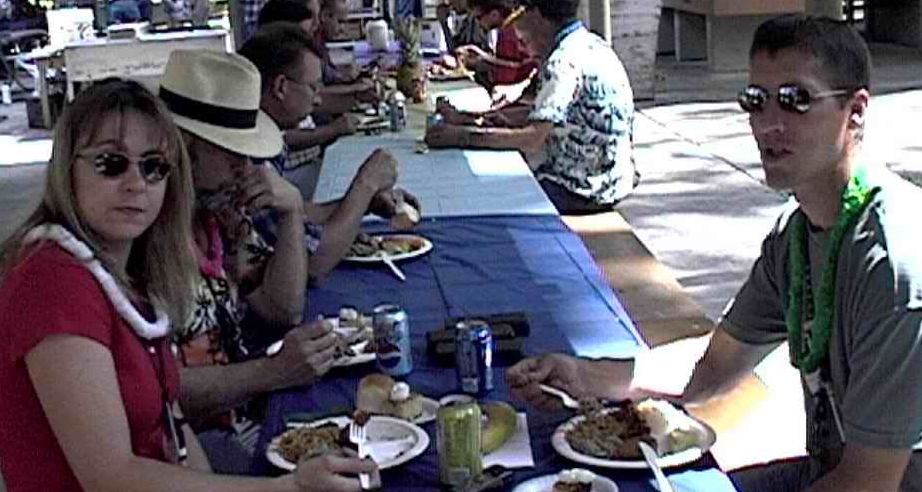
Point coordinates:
[[546, 484], [379, 258], [430, 409], [706, 439], [411, 440]]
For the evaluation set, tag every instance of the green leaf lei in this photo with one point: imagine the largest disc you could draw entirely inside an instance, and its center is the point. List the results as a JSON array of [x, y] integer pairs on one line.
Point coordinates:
[[856, 196]]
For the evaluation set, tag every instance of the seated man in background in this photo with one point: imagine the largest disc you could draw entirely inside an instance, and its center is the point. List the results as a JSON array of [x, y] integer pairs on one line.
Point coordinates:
[[510, 63], [305, 142], [344, 86], [582, 116], [839, 278], [289, 66], [461, 28]]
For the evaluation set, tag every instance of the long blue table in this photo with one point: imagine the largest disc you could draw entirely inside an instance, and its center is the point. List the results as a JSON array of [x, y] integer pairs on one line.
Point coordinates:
[[480, 266]]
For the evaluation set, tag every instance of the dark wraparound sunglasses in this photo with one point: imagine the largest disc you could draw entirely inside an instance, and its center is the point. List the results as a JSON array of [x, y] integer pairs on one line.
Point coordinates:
[[791, 98], [154, 169]]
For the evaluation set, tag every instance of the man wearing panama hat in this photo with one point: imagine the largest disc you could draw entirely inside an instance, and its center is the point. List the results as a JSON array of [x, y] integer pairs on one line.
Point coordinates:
[[214, 98]]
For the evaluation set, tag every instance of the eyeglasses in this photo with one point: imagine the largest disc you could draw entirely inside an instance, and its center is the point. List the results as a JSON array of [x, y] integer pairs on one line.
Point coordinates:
[[791, 98], [154, 169]]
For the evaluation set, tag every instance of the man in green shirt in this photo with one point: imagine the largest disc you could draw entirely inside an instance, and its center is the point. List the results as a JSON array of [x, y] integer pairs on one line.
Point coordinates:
[[839, 277]]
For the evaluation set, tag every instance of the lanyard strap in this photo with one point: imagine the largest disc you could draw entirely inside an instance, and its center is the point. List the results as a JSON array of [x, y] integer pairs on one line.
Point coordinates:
[[172, 422]]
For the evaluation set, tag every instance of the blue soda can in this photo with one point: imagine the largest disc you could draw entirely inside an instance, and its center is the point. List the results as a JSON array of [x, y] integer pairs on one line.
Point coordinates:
[[474, 356], [392, 340]]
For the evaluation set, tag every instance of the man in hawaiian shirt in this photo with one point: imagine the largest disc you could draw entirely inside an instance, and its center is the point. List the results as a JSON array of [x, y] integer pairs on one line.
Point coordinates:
[[214, 99], [839, 279], [582, 117]]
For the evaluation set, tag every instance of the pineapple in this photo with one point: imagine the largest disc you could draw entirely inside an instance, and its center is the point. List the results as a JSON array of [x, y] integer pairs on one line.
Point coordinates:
[[411, 75]]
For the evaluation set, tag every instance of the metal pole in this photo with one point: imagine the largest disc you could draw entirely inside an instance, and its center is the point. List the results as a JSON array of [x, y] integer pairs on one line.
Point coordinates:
[[606, 20]]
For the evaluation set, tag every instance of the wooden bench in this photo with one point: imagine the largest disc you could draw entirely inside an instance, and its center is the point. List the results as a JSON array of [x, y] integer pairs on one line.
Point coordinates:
[[717, 30]]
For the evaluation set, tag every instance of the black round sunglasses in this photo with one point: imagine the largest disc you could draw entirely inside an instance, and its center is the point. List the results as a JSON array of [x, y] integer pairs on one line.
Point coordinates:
[[791, 98], [153, 169]]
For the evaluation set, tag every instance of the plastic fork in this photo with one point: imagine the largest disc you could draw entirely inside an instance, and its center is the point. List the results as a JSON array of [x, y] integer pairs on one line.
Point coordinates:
[[650, 456], [357, 436], [565, 398]]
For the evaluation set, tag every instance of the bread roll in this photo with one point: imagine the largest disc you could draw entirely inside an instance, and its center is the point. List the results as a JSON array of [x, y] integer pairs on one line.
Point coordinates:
[[374, 393], [374, 396], [405, 217]]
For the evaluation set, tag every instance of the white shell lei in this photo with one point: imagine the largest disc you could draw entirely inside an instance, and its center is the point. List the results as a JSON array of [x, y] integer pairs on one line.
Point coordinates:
[[63, 237]]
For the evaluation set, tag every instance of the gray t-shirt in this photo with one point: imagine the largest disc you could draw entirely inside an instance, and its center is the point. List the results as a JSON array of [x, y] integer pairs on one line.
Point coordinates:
[[875, 350]]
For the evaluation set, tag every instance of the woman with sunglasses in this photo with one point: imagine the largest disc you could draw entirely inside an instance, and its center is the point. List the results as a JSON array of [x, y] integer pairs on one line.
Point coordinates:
[[88, 286]]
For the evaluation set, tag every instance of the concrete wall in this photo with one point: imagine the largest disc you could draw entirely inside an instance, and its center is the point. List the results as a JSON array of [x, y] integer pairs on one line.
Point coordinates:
[[898, 22], [634, 26]]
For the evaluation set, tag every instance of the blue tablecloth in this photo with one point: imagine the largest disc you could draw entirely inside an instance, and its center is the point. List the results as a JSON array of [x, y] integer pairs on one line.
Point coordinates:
[[480, 266]]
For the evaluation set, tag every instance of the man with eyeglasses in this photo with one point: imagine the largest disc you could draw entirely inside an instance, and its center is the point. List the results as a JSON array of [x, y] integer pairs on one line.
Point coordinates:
[[291, 81], [307, 142], [839, 278]]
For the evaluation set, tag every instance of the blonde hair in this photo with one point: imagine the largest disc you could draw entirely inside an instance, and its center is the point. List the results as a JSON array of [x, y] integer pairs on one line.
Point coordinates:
[[162, 263]]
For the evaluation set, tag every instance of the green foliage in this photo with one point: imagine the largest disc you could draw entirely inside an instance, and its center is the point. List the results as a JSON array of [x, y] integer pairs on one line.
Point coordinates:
[[409, 32]]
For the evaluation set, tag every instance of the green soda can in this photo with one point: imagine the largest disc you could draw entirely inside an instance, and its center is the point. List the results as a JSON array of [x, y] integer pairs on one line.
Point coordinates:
[[458, 441]]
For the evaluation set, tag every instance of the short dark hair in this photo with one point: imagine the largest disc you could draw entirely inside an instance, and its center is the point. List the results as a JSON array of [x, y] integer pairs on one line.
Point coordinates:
[[284, 11], [558, 11], [275, 48], [504, 6], [839, 49]]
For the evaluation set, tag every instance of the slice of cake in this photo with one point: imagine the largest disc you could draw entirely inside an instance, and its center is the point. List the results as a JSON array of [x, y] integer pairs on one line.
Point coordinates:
[[575, 480], [671, 429]]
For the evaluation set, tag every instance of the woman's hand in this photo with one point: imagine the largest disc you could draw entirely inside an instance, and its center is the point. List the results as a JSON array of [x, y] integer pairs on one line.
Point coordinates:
[[328, 473]]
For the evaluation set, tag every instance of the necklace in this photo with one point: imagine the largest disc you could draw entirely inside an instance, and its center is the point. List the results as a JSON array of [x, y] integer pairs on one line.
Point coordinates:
[[809, 354], [143, 328]]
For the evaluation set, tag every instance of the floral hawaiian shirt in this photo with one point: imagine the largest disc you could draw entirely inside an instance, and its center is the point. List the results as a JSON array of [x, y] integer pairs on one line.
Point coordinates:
[[232, 260], [584, 91]]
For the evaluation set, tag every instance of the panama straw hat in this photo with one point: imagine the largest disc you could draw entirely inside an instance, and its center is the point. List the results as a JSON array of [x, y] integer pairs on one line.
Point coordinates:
[[215, 96]]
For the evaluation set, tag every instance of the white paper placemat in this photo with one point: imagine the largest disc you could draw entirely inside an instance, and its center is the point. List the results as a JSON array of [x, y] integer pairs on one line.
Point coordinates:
[[448, 182]]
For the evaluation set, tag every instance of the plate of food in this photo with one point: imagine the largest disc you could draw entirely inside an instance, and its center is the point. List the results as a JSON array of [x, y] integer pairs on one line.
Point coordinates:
[[355, 338], [574, 480], [379, 394], [391, 441], [608, 437], [443, 73], [374, 248]]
